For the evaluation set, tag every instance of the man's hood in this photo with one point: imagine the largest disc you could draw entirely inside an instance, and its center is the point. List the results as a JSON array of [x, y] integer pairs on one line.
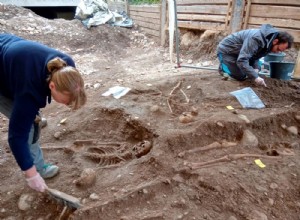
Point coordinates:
[[269, 33]]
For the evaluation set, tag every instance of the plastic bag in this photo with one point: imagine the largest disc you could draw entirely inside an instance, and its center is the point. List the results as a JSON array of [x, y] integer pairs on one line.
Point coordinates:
[[248, 98]]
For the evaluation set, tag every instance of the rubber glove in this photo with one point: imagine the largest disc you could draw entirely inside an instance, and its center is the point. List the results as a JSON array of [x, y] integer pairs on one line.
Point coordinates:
[[260, 81], [37, 183]]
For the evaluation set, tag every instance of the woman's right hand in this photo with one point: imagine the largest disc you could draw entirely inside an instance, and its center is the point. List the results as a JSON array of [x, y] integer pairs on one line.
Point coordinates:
[[34, 180]]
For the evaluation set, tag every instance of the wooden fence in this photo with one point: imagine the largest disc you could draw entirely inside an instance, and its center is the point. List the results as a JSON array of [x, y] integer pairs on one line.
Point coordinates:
[[148, 17], [282, 14], [203, 14], [119, 6], [222, 15]]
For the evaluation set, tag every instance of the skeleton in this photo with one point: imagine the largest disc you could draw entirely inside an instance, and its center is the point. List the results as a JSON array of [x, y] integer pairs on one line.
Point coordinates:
[[110, 155]]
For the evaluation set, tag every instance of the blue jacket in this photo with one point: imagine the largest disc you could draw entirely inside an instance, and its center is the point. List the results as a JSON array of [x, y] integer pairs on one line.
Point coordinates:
[[23, 74], [247, 47]]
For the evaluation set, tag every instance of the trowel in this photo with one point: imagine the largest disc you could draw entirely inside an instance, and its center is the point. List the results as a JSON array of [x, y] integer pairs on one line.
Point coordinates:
[[65, 199]]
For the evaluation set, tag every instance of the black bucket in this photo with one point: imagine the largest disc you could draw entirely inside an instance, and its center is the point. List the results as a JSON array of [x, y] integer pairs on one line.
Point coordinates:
[[273, 57], [281, 70]]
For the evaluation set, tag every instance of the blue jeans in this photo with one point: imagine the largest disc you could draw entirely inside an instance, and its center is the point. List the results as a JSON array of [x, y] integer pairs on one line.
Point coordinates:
[[6, 106]]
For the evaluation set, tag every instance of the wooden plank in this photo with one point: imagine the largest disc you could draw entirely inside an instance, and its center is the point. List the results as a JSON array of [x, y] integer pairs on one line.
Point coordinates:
[[277, 2], [119, 6], [297, 67], [145, 14], [126, 7], [204, 9], [285, 23], [145, 8], [294, 33], [198, 17], [201, 25], [151, 26], [228, 14], [163, 18], [150, 32], [247, 14], [236, 22], [275, 11], [201, 2], [149, 20]]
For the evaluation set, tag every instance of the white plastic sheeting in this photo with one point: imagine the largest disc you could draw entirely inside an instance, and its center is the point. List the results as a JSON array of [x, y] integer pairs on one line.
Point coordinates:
[[96, 12]]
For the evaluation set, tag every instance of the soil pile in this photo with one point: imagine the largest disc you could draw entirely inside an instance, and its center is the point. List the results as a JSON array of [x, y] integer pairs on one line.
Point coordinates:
[[169, 149]]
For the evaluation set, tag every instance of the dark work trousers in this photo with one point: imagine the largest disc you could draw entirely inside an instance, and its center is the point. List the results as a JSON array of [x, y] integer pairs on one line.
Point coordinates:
[[228, 65]]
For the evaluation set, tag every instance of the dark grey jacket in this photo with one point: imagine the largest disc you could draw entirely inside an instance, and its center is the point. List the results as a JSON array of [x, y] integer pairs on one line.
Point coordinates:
[[247, 47]]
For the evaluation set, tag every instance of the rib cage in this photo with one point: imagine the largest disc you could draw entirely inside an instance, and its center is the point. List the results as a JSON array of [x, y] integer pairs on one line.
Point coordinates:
[[105, 156]]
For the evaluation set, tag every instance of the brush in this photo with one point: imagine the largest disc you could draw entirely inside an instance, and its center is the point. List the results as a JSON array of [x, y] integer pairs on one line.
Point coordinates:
[[65, 199]]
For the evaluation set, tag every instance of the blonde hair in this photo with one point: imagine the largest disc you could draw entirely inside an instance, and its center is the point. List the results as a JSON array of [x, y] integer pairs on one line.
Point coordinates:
[[67, 79]]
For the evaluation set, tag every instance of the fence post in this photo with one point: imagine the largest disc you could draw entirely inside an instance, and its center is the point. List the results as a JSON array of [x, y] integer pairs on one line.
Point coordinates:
[[126, 3], [237, 15], [297, 67], [163, 15]]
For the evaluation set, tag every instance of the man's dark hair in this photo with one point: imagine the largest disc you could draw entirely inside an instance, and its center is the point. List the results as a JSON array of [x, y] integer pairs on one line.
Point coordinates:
[[285, 37]]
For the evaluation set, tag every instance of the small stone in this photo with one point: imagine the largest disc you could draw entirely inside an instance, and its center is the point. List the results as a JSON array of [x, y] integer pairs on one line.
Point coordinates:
[[271, 201], [25, 201], [249, 139], [295, 145], [258, 215], [297, 117], [97, 85], [273, 186], [63, 121], [292, 130], [220, 124], [154, 108], [94, 196], [57, 134], [235, 112], [178, 178], [186, 118], [244, 118]]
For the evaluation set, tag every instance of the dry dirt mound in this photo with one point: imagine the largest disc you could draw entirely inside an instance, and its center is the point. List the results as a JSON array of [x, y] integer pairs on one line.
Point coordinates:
[[64, 34], [168, 149]]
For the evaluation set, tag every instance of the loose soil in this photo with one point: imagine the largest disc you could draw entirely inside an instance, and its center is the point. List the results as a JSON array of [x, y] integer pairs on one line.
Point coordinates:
[[169, 148]]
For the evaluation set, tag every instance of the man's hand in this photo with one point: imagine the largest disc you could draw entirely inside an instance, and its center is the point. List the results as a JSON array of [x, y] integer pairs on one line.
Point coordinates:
[[260, 81], [37, 183]]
